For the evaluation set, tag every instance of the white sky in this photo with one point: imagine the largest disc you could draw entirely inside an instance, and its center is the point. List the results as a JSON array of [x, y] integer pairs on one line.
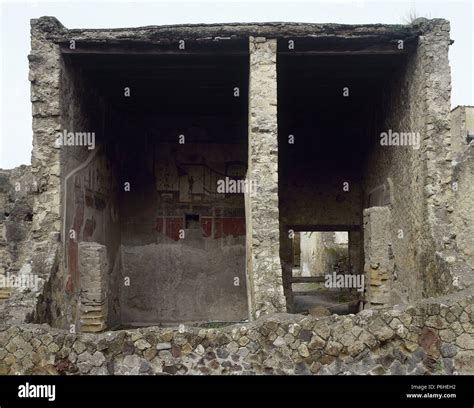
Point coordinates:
[[15, 107]]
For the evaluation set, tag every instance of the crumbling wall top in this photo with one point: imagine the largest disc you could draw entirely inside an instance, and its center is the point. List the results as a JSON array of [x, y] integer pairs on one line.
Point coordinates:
[[56, 32]]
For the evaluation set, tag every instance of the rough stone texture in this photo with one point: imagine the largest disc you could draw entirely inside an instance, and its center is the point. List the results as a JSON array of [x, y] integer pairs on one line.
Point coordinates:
[[399, 171], [439, 271], [18, 279], [263, 265], [16, 214], [462, 208], [157, 35], [319, 251], [93, 268], [433, 336], [462, 216], [45, 76], [421, 179], [378, 263], [462, 128], [385, 341], [420, 210]]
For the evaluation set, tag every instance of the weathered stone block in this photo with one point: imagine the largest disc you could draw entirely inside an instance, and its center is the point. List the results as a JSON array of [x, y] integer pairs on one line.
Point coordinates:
[[93, 268]]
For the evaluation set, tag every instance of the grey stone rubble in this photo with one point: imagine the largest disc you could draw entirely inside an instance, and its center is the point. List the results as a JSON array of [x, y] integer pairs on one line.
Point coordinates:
[[422, 316], [428, 338]]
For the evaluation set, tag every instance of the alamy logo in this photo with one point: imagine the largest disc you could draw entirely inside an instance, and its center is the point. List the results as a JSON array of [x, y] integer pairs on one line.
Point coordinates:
[[37, 391], [76, 139], [341, 281], [23, 281], [391, 138], [232, 186]]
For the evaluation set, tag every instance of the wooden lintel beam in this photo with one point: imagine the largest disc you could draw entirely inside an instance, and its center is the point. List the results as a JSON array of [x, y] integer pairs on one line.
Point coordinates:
[[322, 228], [307, 279], [124, 51], [345, 52]]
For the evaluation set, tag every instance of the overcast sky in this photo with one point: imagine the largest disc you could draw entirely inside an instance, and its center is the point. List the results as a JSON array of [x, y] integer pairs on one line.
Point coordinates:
[[15, 107]]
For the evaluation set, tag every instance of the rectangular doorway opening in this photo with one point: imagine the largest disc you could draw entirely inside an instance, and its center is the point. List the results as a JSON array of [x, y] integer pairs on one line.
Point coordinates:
[[323, 275]]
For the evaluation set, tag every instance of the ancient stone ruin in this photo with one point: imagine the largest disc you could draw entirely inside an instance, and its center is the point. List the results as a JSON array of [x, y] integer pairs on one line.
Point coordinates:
[[272, 198]]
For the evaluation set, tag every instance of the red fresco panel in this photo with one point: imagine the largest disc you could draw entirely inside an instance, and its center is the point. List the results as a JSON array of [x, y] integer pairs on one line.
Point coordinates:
[[218, 228], [72, 251], [206, 226], [224, 227], [173, 225], [234, 226], [89, 229]]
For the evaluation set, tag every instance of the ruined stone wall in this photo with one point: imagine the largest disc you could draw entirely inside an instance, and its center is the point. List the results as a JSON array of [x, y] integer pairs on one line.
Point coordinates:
[[442, 270], [45, 78], [88, 188], [314, 259], [421, 213], [263, 243], [58, 304], [418, 98], [462, 128], [379, 260], [17, 281], [463, 204], [434, 337], [303, 204], [320, 254], [91, 215], [462, 216], [48, 33], [403, 166], [430, 337], [356, 252], [17, 189]]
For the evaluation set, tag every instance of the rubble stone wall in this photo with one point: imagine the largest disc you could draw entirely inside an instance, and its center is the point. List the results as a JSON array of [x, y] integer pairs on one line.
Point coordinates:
[[431, 336], [428, 338], [418, 101], [437, 234], [93, 268], [379, 264], [17, 189], [263, 267], [462, 208], [45, 78]]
